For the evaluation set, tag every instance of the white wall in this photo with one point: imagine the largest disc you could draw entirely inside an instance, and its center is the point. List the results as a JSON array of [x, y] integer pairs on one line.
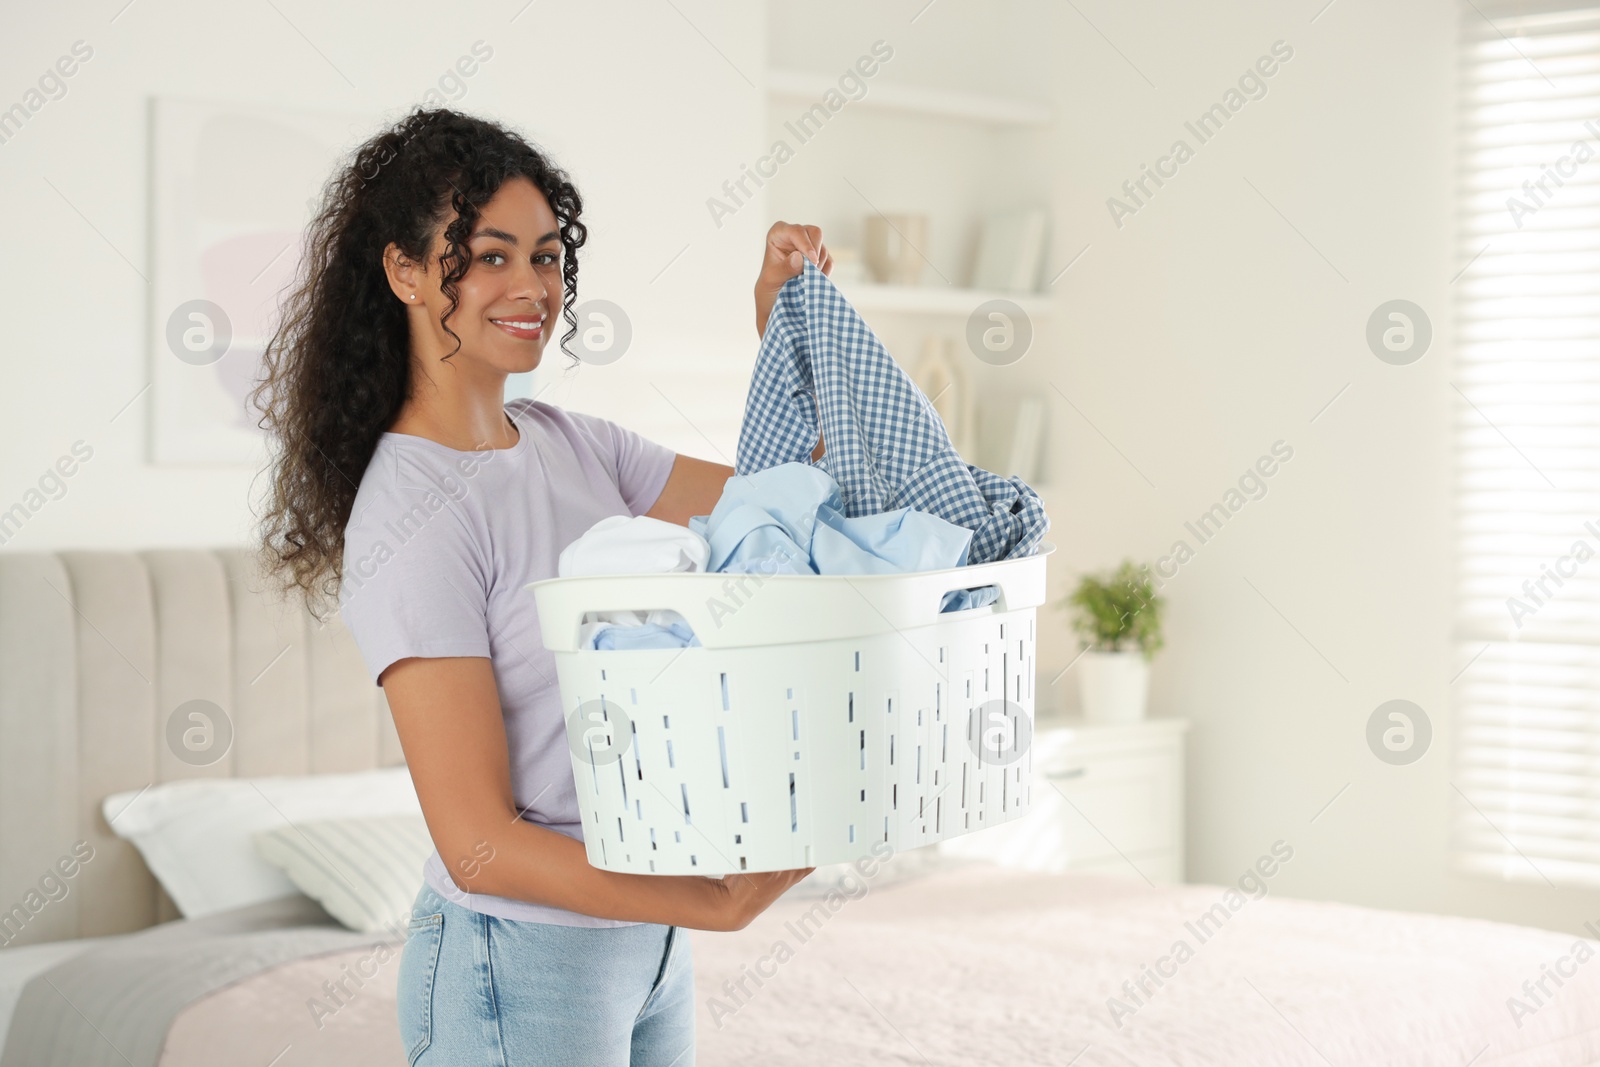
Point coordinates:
[[646, 115], [1206, 328], [1219, 319], [1211, 325]]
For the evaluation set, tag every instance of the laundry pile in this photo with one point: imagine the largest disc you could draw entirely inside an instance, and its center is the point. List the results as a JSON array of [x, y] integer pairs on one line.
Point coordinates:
[[638, 544], [822, 369], [788, 519], [889, 495]]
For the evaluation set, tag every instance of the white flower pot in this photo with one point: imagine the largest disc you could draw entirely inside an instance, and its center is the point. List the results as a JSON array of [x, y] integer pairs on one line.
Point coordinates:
[[1113, 686]]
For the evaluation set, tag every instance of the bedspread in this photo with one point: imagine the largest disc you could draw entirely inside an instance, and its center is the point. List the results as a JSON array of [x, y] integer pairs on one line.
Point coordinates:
[[113, 1004], [981, 966], [970, 966]]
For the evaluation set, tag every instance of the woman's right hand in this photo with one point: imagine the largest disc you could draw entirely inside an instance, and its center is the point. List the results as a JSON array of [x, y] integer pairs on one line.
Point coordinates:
[[738, 898], [472, 814]]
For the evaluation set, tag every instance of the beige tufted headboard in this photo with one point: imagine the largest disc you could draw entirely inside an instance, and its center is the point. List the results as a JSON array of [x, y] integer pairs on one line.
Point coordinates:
[[97, 648]]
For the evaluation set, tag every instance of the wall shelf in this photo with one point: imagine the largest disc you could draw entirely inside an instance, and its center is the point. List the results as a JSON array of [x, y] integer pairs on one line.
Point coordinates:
[[920, 99], [937, 299]]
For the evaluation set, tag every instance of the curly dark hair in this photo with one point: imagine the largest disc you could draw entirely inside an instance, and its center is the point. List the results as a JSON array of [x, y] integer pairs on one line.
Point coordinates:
[[338, 369]]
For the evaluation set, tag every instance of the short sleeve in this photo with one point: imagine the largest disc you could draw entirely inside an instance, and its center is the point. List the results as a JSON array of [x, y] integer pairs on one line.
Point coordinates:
[[413, 582], [638, 466]]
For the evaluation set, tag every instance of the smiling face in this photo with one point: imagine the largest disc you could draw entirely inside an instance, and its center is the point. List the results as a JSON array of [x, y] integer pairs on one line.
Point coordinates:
[[510, 295]]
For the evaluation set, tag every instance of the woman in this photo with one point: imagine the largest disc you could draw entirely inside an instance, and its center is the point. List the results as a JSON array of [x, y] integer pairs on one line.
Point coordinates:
[[405, 486]]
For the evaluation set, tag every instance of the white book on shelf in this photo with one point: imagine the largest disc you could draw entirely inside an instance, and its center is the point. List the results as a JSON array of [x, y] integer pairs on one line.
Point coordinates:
[[1009, 251], [1026, 437]]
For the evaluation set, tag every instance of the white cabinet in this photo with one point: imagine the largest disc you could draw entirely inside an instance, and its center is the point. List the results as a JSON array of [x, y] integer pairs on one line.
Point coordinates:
[[1106, 799]]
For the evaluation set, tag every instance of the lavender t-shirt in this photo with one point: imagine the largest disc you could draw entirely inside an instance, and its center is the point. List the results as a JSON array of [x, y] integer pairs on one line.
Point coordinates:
[[438, 548]]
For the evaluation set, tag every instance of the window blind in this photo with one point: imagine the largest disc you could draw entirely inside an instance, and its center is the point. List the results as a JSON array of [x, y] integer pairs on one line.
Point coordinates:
[[1527, 432]]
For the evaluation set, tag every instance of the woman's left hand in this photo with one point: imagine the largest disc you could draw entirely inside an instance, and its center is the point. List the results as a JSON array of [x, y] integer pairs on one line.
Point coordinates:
[[789, 245]]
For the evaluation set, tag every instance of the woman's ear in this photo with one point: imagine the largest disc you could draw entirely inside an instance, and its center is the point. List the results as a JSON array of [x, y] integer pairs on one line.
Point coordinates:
[[404, 275]]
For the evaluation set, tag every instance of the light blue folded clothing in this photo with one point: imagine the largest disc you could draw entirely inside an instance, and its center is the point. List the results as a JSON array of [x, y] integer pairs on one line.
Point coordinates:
[[962, 599], [644, 635], [789, 519], [786, 519]]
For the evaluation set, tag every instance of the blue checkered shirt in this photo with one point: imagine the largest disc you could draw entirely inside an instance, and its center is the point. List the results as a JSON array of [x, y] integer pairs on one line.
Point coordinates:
[[886, 445]]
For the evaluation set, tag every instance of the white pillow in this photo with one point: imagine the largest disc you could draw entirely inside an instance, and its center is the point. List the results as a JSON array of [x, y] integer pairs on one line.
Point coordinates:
[[364, 872], [195, 835]]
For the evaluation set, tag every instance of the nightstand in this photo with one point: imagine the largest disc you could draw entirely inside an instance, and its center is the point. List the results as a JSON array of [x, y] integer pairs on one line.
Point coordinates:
[[1106, 799]]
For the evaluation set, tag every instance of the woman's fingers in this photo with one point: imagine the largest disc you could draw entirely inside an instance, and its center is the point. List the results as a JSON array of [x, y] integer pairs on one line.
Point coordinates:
[[793, 243], [813, 238], [819, 251], [788, 247]]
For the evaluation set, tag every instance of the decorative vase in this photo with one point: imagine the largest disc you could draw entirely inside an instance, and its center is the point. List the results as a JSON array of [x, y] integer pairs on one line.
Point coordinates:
[[848, 266], [1113, 686], [893, 247], [939, 375]]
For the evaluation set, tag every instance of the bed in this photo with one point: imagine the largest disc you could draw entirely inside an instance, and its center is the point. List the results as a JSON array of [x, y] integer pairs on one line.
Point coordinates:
[[981, 965], [933, 960]]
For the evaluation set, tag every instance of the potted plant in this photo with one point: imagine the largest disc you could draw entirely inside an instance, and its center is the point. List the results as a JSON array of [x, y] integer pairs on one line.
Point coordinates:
[[1118, 616]]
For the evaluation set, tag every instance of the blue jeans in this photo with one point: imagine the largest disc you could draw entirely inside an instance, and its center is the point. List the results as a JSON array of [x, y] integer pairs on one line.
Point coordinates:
[[479, 991]]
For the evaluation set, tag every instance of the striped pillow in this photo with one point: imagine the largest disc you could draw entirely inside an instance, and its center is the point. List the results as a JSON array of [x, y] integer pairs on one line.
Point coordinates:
[[364, 871]]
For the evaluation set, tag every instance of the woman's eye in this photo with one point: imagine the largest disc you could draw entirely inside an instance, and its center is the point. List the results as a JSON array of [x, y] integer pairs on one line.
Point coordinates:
[[494, 259], [550, 258]]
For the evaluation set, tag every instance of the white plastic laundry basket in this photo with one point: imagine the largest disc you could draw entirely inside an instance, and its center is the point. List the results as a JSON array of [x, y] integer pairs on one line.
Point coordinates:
[[822, 714]]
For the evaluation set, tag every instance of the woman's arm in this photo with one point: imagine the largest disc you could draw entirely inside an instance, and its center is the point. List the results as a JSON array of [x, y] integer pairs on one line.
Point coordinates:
[[694, 486], [692, 489], [447, 713]]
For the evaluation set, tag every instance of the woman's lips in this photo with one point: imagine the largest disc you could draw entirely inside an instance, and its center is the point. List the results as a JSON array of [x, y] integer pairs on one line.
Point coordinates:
[[522, 329]]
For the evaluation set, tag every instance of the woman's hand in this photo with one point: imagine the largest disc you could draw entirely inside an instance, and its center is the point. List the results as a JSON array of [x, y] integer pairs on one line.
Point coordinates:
[[741, 897], [462, 772], [693, 901], [789, 245]]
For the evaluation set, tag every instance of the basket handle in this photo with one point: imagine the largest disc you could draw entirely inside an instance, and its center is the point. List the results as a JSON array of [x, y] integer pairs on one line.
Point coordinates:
[[941, 584], [905, 600], [998, 603], [562, 607]]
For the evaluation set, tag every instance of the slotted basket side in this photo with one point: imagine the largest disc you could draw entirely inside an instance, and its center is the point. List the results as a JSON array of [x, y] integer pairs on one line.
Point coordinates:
[[776, 756]]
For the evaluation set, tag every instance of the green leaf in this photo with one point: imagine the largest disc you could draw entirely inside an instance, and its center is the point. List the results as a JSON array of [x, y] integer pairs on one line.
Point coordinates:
[[1119, 608]]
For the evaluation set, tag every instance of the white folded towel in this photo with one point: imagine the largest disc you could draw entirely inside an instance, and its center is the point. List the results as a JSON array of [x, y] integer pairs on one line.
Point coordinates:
[[634, 544], [631, 544]]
